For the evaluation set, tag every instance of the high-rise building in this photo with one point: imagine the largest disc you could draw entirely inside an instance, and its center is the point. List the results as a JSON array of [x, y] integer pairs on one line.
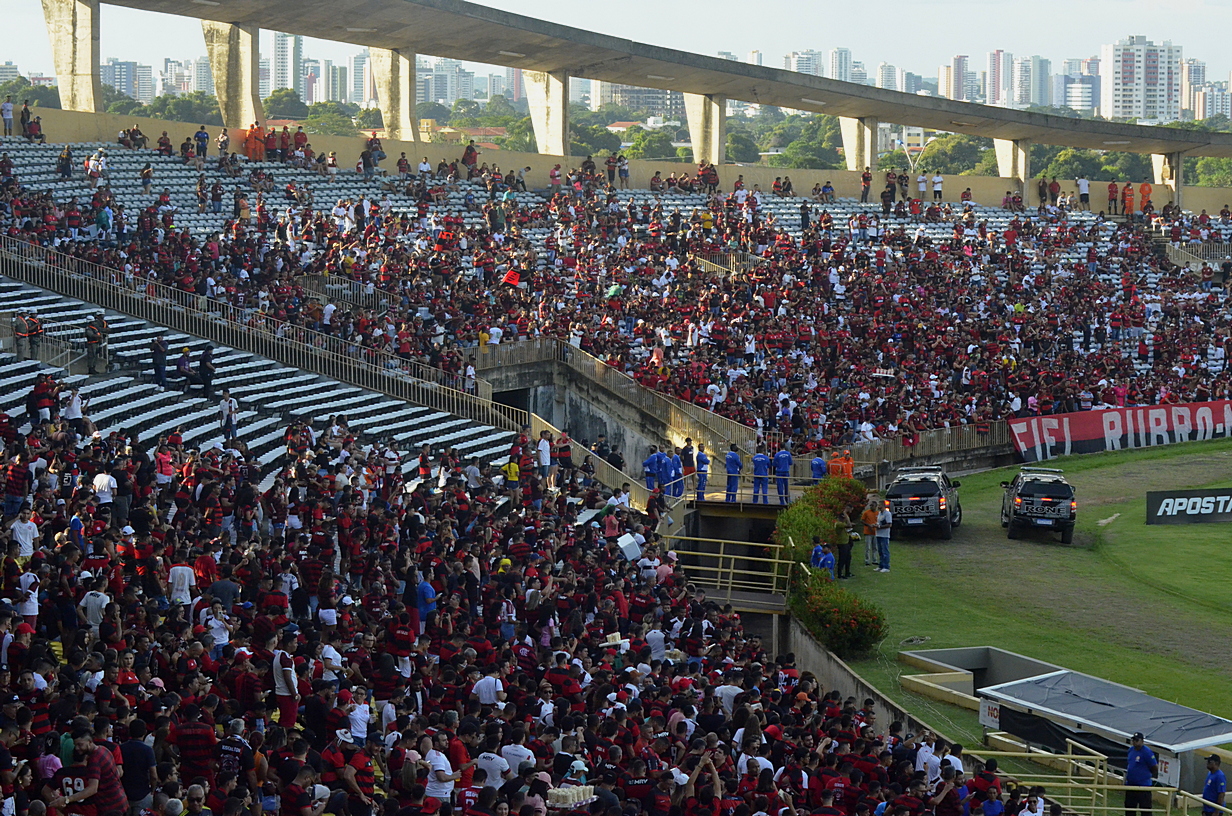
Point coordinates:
[[313, 90], [203, 76], [1031, 85], [805, 62], [838, 64], [945, 74], [515, 87], [357, 72], [887, 77], [1077, 91], [727, 55], [958, 87], [333, 83], [859, 74], [289, 62], [9, 72], [265, 78], [1000, 69], [176, 77], [1140, 80], [1212, 100], [496, 85], [579, 90], [755, 57], [908, 82], [1193, 77], [133, 80], [601, 95]]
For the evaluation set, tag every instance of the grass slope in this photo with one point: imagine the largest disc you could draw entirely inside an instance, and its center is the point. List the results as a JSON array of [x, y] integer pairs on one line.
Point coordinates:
[[1143, 606]]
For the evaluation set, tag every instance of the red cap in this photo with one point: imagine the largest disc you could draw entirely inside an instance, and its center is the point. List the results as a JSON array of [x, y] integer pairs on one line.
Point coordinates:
[[773, 731], [345, 697], [24, 629]]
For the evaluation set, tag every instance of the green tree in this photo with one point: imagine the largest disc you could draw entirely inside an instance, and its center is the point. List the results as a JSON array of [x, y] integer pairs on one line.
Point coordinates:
[[1122, 166], [1071, 163], [519, 136], [954, 154], [593, 140], [126, 106], [803, 153], [465, 110], [499, 106], [285, 103], [652, 144], [197, 107], [40, 96], [742, 148], [329, 124], [1212, 172], [434, 111], [369, 119], [340, 108]]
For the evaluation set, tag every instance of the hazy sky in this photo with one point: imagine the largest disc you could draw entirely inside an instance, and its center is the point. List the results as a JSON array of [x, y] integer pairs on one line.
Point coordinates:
[[917, 35]]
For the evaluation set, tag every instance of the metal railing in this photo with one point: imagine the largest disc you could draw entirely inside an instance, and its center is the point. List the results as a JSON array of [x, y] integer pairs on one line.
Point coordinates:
[[730, 567], [735, 262], [249, 330], [605, 473], [55, 348]]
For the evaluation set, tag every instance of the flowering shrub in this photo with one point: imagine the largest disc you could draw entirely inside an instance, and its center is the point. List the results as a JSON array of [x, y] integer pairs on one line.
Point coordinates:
[[844, 622]]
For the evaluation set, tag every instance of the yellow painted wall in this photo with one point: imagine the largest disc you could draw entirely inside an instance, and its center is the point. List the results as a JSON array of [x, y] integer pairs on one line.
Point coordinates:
[[72, 126]]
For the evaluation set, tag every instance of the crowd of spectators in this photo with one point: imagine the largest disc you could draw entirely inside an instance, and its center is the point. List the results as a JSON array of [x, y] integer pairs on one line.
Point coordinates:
[[853, 327]]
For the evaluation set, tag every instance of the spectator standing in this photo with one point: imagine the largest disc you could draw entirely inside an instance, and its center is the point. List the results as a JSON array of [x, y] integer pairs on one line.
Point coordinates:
[[869, 519], [1216, 786], [228, 410], [885, 521], [96, 341], [6, 113], [1140, 768]]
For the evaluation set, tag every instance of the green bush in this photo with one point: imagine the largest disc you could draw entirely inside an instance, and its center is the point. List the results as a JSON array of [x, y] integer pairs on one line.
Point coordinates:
[[845, 623]]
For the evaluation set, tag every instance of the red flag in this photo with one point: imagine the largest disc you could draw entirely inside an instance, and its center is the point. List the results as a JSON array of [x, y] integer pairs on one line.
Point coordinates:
[[513, 277]]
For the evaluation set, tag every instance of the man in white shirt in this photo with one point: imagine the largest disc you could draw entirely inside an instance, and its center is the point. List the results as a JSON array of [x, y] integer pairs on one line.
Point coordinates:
[[489, 690], [92, 605], [516, 752], [441, 776], [182, 579], [494, 765], [6, 113], [24, 531], [104, 486], [937, 180], [228, 410], [656, 639], [544, 449]]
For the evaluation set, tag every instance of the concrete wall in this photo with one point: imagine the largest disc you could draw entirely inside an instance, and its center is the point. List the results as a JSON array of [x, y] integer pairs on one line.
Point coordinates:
[[72, 126], [988, 665], [833, 673]]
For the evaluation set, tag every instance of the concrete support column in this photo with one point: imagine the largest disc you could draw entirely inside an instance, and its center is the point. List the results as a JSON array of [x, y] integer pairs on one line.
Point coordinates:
[[707, 114], [1169, 172], [859, 142], [393, 73], [73, 28], [548, 95], [1014, 162], [235, 59]]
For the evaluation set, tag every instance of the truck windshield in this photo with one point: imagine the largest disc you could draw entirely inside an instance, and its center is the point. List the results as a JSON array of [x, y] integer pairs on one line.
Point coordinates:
[[1046, 490], [907, 489]]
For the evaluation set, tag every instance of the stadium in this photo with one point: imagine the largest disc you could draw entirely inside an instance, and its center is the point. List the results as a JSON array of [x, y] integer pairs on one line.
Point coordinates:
[[355, 475]]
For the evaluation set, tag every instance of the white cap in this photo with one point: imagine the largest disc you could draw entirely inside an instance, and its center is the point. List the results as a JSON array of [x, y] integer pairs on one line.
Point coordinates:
[[128, 530]]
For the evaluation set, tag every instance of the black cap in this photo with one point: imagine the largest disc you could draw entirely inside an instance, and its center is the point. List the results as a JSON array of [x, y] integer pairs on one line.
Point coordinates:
[[1213, 758], [1137, 736]]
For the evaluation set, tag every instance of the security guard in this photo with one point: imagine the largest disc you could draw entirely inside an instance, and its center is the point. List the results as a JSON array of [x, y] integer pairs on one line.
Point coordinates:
[[21, 335], [761, 476], [34, 328], [819, 468], [782, 472], [735, 466], [703, 470], [96, 339]]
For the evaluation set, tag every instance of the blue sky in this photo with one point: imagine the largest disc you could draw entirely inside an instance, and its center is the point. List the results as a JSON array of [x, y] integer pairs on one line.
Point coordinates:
[[917, 35]]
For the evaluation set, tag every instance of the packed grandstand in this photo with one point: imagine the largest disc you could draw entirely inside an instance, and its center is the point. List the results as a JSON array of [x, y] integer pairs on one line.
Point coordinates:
[[384, 608]]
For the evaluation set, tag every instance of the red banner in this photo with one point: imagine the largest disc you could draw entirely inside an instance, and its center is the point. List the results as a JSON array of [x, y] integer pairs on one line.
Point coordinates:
[[1043, 437]]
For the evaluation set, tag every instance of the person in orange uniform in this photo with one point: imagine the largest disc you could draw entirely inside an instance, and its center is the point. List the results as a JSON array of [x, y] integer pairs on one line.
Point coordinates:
[[1144, 193], [1127, 199]]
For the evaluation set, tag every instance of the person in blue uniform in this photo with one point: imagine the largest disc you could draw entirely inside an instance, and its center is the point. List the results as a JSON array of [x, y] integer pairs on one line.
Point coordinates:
[[761, 477], [1140, 767], [825, 560], [818, 466], [735, 466], [677, 475], [703, 470], [782, 472], [663, 470], [650, 467], [1216, 786]]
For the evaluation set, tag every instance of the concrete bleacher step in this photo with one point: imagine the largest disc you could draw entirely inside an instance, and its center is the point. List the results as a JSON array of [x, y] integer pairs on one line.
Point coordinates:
[[270, 394]]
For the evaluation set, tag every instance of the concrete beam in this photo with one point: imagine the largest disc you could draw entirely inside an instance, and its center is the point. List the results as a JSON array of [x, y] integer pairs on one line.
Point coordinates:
[[1169, 172], [393, 73], [707, 114], [73, 28], [859, 142], [1014, 162], [548, 95], [235, 59]]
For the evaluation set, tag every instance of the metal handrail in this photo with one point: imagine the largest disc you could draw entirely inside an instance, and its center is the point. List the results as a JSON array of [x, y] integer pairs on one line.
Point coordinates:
[[245, 329], [733, 565]]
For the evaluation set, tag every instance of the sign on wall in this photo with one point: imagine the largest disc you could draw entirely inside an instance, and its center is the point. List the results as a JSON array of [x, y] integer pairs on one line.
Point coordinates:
[[990, 713], [1189, 506], [1044, 437]]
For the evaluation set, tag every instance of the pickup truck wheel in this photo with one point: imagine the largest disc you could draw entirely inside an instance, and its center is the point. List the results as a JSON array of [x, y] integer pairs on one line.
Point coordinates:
[[1011, 530], [1067, 535], [947, 529], [1004, 521], [957, 520]]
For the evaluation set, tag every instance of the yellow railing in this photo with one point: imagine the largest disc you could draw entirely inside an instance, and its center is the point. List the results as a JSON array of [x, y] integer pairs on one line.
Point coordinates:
[[729, 567], [727, 263], [604, 472], [248, 330], [55, 348]]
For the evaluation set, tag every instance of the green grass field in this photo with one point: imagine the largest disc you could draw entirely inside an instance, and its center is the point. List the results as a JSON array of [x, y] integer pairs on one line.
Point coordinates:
[[1145, 606]]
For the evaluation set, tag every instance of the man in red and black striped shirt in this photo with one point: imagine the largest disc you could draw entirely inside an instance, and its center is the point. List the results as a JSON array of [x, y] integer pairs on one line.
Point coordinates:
[[110, 796], [196, 742]]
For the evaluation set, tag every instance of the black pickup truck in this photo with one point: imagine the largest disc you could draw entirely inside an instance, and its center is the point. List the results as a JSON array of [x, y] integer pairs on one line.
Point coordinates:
[[922, 497], [1039, 498]]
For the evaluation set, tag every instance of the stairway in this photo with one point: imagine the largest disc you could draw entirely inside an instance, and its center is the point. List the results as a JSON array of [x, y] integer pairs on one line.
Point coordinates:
[[270, 395]]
